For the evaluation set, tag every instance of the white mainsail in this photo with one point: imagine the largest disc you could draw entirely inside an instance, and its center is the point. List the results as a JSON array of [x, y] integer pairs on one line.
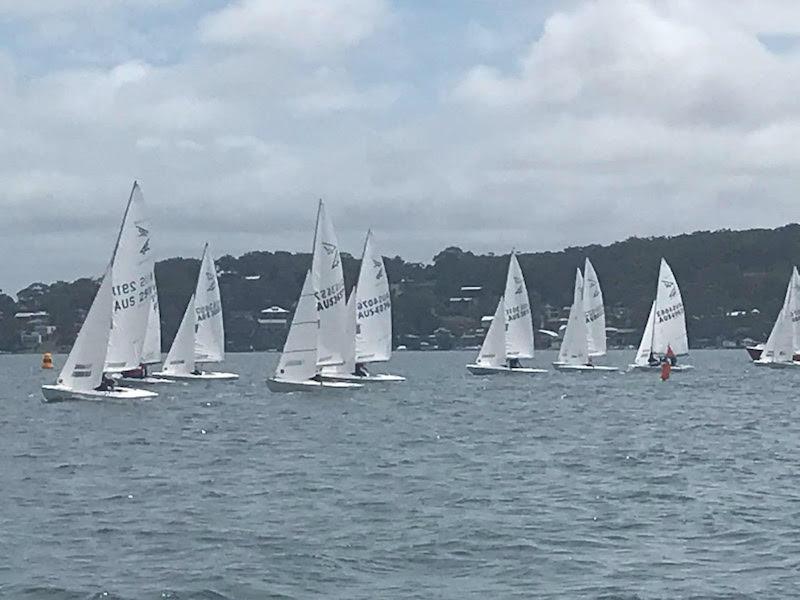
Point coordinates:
[[298, 361], [209, 337], [151, 350], [594, 310], [180, 359], [794, 310], [328, 283], [575, 346], [780, 344], [646, 345], [374, 308], [493, 349], [518, 319], [83, 370], [132, 285], [670, 321]]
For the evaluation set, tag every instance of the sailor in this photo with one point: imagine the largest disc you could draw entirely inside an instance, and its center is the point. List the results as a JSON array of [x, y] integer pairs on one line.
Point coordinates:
[[106, 384], [652, 360], [673, 360], [513, 363], [361, 370]]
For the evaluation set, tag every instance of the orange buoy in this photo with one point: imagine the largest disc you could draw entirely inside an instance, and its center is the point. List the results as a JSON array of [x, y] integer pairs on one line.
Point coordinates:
[[666, 370], [47, 360]]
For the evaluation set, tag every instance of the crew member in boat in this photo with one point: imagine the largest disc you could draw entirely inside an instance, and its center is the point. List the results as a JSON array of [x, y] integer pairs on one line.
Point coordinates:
[[139, 372], [513, 363], [107, 384], [197, 371], [652, 360], [361, 370], [673, 360]]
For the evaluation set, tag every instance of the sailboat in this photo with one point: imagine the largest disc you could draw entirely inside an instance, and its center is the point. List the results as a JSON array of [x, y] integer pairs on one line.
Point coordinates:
[[369, 310], [585, 335], [319, 335], [779, 349], [665, 330], [109, 339], [201, 334], [510, 335], [575, 352]]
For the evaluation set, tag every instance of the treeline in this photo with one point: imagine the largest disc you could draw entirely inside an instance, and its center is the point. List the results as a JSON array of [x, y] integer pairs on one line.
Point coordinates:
[[719, 272]]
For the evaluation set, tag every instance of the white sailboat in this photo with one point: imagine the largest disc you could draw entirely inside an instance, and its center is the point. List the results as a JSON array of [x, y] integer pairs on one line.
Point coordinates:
[[515, 327], [318, 336], [112, 317], [780, 346], [369, 323], [665, 331], [201, 335], [575, 352]]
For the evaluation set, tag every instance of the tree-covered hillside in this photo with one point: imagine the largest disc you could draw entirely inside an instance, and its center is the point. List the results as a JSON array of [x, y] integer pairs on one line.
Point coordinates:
[[719, 272]]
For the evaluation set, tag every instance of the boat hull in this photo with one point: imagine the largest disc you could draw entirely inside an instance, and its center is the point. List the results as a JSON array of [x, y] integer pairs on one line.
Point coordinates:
[[565, 368], [486, 370], [60, 393], [134, 381], [776, 365], [675, 369], [755, 353], [282, 386], [204, 376], [376, 378]]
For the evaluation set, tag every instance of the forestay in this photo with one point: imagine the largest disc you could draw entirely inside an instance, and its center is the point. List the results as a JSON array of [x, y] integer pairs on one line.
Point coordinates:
[[574, 348], [180, 359], [328, 284], [133, 284], [493, 349], [595, 311], [519, 323], [83, 369], [374, 308], [669, 320], [209, 338], [298, 361]]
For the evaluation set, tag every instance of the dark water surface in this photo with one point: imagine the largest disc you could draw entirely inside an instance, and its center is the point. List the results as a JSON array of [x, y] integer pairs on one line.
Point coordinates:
[[447, 486]]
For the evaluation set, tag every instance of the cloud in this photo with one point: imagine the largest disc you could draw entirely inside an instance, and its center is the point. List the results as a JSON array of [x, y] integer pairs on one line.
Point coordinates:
[[610, 118], [308, 26]]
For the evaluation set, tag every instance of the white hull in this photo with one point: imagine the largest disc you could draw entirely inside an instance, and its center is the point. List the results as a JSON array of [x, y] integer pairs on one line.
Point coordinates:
[[485, 370], [675, 369], [204, 376], [310, 385], [776, 365], [134, 381], [349, 377], [584, 368], [60, 393]]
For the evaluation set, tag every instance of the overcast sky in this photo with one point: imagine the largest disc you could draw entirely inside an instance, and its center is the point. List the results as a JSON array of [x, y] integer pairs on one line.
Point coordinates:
[[482, 124]]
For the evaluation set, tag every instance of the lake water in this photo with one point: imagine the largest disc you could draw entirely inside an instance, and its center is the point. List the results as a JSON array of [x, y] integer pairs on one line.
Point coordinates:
[[447, 486]]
